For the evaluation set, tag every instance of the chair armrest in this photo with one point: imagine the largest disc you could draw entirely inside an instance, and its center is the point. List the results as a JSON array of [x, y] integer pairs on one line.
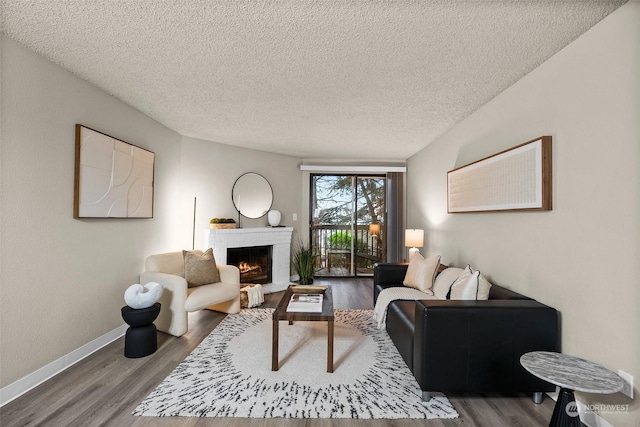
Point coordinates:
[[173, 315], [175, 287], [168, 281], [229, 273]]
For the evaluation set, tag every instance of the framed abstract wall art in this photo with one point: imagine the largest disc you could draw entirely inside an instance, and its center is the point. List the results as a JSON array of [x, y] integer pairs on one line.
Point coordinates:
[[515, 179], [113, 179]]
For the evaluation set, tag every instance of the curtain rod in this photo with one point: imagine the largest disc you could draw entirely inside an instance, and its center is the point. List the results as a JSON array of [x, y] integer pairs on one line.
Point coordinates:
[[336, 168]]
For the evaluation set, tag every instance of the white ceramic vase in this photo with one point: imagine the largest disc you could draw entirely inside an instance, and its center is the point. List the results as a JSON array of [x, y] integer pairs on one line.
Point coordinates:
[[274, 218]]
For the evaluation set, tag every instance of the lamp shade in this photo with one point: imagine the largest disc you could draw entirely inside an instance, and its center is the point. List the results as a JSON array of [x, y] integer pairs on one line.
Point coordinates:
[[374, 229], [413, 237]]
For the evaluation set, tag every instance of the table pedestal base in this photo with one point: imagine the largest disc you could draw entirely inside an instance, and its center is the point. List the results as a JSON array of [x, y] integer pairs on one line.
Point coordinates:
[[141, 338], [565, 413]]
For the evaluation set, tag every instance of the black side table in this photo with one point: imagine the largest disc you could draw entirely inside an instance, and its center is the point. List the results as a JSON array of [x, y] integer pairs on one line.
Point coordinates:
[[141, 338]]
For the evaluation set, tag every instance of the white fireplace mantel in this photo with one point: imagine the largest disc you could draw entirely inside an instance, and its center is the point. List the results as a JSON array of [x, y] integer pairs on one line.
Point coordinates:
[[278, 237]]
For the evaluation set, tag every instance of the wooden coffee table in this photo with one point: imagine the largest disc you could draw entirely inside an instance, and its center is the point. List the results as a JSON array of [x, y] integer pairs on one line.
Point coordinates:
[[326, 315]]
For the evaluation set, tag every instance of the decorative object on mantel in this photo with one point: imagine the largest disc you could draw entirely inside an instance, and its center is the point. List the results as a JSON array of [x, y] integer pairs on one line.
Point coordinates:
[[515, 179], [113, 179], [139, 296], [229, 374], [274, 217], [218, 223], [304, 261]]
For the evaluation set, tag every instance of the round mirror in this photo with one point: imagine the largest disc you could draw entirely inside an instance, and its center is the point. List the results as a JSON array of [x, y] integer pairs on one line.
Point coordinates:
[[252, 195]]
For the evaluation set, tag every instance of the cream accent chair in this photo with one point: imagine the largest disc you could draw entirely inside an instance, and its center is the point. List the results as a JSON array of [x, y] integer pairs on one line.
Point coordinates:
[[178, 299]]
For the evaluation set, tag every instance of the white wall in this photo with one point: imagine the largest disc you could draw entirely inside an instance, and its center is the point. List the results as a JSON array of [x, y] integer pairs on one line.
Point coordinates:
[[61, 279], [211, 169], [582, 257]]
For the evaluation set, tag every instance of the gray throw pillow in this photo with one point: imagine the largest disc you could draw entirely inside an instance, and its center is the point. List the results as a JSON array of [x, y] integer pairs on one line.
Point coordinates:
[[200, 269]]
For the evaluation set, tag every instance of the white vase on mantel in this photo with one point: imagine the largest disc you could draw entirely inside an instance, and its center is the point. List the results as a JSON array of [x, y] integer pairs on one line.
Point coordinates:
[[274, 217]]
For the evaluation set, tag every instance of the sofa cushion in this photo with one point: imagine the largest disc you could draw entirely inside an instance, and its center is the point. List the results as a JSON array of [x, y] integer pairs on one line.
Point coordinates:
[[421, 272], [200, 269], [466, 285], [444, 280]]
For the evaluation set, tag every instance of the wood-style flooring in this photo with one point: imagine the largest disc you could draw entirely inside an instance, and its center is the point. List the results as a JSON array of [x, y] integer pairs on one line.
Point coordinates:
[[104, 388]]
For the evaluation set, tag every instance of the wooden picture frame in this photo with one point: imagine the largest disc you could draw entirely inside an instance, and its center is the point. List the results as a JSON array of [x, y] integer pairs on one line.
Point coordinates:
[[113, 179], [515, 179]]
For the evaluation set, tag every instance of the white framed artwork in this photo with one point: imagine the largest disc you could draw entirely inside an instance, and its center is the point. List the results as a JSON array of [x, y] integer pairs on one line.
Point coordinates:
[[515, 179], [113, 179]]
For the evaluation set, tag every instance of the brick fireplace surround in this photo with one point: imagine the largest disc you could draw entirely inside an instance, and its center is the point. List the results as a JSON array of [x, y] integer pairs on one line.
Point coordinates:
[[278, 237]]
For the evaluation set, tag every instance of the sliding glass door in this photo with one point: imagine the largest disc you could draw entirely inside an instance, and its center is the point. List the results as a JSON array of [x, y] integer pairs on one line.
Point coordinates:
[[347, 223]]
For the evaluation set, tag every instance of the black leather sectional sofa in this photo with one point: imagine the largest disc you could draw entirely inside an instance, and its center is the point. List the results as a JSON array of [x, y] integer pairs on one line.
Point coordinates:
[[469, 346]]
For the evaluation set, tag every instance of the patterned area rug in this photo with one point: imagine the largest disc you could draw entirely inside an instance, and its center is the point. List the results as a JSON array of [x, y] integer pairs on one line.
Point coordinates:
[[229, 374]]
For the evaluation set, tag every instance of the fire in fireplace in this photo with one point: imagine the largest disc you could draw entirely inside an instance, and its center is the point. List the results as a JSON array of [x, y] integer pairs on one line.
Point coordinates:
[[254, 263]]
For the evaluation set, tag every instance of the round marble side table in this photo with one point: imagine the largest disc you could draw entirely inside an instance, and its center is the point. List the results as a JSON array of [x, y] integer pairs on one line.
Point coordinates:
[[570, 374]]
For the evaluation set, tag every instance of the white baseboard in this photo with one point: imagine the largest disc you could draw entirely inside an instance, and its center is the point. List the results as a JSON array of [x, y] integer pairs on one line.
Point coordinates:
[[28, 382], [588, 418]]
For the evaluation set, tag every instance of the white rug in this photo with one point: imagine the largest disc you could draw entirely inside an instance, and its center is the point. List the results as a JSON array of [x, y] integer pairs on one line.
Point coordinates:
[[229, 374]]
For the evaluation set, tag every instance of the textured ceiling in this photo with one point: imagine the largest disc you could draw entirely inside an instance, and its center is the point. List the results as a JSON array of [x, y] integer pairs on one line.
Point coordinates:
[[315, 79]]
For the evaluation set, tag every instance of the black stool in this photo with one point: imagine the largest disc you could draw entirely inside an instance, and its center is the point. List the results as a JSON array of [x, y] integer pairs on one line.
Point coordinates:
[[141, 338]]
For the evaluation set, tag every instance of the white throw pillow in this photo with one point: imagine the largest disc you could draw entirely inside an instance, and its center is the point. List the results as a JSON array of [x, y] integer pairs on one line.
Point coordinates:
[[421, 272], [466, 286], [484, 286], [444, 280]]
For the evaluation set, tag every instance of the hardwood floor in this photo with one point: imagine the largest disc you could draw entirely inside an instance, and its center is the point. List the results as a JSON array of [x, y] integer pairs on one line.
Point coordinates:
[[104, 388]]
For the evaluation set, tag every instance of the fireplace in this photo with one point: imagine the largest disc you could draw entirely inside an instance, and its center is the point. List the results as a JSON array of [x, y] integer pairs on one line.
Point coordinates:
[[278, 238], [253, 262]]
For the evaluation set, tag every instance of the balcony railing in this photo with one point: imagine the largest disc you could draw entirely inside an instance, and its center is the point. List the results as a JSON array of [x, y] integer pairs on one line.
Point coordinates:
[[343, 249]]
